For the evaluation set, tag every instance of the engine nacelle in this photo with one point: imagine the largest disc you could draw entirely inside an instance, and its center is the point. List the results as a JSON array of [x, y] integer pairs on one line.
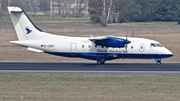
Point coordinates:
[[112, 42]]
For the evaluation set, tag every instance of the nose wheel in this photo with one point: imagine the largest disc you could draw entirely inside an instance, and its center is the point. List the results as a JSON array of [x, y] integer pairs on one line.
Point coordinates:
[[158, 62]]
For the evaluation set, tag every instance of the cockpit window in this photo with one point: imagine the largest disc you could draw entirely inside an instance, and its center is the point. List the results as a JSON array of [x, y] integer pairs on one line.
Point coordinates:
[[153, 45], [159, 45], [156, 45]]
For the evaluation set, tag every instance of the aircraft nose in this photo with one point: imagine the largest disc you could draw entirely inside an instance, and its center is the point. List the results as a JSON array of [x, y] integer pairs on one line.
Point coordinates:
[[169, 53]]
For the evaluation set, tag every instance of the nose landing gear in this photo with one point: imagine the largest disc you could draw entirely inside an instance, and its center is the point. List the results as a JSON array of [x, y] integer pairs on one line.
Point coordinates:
[[158, 61]]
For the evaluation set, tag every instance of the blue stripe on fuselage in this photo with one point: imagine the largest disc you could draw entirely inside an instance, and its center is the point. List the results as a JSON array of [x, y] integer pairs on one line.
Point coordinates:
[[111, 56]]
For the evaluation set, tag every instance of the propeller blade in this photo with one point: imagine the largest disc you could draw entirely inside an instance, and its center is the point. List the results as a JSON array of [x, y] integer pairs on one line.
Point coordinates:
[[126, 41]]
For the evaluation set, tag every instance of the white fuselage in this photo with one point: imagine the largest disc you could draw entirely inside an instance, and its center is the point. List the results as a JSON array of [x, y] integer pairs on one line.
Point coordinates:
[[76, 46]]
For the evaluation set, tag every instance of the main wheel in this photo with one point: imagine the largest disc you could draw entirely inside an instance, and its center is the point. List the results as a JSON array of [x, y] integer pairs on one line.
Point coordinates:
[[99, 62], [158, 62], [103, 61]]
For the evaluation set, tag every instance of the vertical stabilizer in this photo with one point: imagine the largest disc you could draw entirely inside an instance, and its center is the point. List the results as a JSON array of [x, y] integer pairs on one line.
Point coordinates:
[[24, 27]]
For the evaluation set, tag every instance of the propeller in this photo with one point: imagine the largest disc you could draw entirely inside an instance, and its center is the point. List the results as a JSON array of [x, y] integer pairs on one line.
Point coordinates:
[[127, 41]]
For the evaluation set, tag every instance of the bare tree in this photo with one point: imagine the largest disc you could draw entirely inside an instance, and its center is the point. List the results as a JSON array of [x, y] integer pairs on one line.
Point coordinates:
[[86, 7], [75, 7], [9, 1], [0, 10], [58, 2], [51, 9], [4, 4], [61, 7], [103, 17], [0, 6], [100, 11], [106, 11], [68, 6], [109, 10]]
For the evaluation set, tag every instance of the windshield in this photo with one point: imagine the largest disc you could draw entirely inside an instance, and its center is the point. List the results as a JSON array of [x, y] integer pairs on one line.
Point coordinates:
[[159, 45], [155, 45]]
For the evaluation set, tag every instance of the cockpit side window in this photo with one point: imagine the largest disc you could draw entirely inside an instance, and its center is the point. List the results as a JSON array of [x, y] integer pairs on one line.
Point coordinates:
[[153, 45]]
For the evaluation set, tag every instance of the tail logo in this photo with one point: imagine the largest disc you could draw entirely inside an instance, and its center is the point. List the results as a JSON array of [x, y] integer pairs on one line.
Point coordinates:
[[28, 30]]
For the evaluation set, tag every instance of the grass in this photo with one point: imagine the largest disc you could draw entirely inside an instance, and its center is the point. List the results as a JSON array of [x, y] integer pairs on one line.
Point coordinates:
[[45, 87], [43, 21], [157, 24], [54, 22]]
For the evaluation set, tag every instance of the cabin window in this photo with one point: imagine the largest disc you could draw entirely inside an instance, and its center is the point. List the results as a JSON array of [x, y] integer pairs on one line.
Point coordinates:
[[131, 47], [82, 46], [141, 47], [95, 45], [89, 46]]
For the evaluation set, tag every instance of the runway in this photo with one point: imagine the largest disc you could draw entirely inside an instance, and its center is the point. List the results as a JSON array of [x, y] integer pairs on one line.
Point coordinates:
[[90, 68]]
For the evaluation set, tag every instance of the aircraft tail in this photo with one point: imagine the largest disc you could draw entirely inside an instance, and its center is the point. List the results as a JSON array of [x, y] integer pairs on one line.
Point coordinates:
[[24, 27]]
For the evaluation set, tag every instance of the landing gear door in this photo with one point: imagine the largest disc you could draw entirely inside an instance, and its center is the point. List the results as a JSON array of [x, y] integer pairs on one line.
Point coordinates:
[[73, 49], [141, 47]]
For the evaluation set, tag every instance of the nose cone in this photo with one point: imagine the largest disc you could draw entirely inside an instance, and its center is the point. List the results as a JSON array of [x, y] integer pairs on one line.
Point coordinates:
[[168, 53]]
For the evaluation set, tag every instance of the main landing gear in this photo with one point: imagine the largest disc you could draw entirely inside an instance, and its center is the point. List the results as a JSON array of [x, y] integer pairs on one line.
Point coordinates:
[[100, 61]]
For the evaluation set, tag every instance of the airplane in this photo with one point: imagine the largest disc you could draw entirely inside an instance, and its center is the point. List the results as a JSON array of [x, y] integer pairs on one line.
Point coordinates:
[[100, 48]]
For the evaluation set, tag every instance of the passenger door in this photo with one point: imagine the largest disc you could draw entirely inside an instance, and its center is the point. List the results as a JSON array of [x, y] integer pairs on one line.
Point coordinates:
[[73, 48], [141, 47]]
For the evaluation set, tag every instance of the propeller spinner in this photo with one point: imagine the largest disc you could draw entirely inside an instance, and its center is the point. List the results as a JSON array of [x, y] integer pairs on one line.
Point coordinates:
[[126, 43]]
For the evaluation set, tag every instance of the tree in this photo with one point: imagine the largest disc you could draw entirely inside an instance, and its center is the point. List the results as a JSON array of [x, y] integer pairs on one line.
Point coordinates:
[[4, 4], [167, 10], [100, 10], [178, 12], [120, 11], [43, 5]]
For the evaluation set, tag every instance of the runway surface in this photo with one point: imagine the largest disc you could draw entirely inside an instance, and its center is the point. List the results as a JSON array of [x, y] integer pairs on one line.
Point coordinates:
[[90, 68]]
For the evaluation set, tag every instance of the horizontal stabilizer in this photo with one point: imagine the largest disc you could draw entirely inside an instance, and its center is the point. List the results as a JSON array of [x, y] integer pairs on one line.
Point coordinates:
[[15, 9], [34, 50]]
